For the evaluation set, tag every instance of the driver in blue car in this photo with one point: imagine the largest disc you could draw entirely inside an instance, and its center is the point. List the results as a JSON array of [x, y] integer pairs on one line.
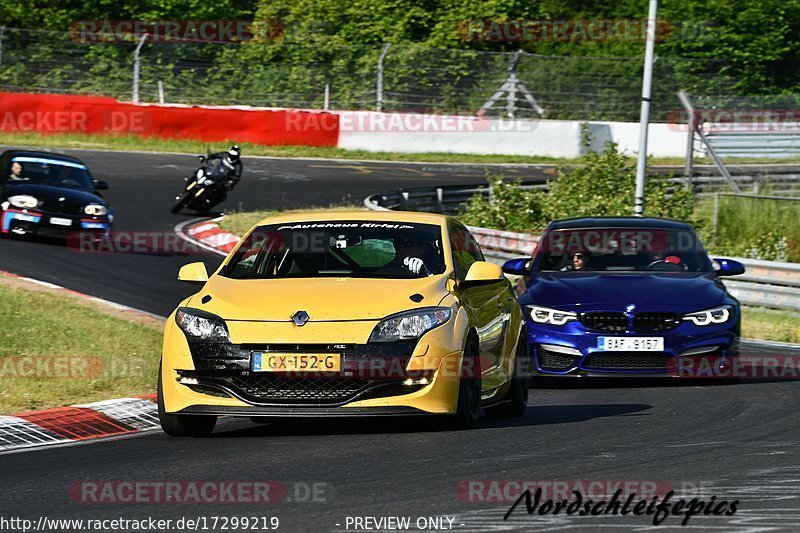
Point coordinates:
[[579, 262]]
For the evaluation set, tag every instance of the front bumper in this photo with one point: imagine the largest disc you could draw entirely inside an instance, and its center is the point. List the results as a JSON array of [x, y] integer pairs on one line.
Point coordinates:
[[369, 383], [31, 222], [689, 351]]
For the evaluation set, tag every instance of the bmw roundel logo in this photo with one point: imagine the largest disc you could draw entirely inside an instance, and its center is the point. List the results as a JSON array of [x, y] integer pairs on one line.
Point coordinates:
[[629, 308], [300, 318]]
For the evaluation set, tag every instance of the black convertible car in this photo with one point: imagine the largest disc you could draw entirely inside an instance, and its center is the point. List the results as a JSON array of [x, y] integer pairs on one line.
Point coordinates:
[[48, 194]]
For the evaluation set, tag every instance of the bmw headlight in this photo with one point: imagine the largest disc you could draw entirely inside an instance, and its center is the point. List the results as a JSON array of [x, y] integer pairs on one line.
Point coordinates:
[[23, 201], [199, 173], [201, 326], [546, 315], [717, 315], [409, 325], [95, 210]]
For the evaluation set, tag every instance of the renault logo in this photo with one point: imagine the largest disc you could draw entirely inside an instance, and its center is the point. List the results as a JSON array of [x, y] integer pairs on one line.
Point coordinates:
[[300, 318]]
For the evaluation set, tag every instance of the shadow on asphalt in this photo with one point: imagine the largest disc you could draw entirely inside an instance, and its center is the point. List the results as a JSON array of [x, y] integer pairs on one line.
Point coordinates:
[[536, 416]]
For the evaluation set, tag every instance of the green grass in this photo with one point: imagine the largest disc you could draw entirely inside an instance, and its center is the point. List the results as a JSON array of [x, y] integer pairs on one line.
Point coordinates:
[[771, 325], [751, 227], [100, 356], [154, 144]]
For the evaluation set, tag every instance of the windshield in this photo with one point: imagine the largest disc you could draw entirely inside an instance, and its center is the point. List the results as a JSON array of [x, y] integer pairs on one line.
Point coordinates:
[[358, 249], [216, 168], [43, 171], [622, 250]]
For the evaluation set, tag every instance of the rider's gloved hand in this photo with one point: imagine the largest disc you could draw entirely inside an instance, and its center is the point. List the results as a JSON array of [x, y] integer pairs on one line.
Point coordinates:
[[415, 265]]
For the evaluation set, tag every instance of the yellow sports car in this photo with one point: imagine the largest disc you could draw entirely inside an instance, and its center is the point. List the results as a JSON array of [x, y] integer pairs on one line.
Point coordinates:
[[345, 313]]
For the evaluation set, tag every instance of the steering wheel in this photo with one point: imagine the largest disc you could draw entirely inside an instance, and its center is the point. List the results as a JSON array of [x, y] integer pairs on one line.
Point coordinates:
[[666, 266]]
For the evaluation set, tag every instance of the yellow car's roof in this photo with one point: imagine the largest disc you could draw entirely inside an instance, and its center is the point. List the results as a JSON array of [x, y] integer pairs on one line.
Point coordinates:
[[334, 214]]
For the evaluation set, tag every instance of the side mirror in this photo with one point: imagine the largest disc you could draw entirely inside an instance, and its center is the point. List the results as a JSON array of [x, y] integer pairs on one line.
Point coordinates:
[[482, 273], [100, 185], [517, 267], [194, 273], [728, 267], [202, 158]]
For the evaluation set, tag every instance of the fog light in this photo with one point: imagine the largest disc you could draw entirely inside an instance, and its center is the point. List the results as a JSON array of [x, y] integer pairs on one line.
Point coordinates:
[[417, 381], [188, 381]]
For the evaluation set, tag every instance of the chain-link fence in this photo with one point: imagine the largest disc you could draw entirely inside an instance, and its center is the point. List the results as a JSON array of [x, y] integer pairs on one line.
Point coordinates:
[[415, 78]]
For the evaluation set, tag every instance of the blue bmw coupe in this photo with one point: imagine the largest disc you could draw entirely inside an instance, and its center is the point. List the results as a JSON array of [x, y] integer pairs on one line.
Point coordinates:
[[608, 296]]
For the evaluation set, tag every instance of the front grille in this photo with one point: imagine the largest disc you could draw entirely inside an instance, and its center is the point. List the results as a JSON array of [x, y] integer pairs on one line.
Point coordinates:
[[291, 388], [629, 361], [604, 321], [61, 208], [549, 360], [655, 322]]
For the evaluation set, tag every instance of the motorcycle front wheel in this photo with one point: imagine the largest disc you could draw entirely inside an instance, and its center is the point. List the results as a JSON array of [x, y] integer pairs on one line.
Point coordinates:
[[182, 200]]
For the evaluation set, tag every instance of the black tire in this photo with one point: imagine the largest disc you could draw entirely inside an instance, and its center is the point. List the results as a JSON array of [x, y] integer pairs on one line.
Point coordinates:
[[469, 388], [182, 425], [516, 403], [182, 200]]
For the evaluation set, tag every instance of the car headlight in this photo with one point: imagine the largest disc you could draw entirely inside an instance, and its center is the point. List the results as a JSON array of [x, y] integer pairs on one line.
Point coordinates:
[[95, 210], [717, 315], [23, 201], [546, 315], [409, 325], [201, 326], [208, 183], [199, 173]]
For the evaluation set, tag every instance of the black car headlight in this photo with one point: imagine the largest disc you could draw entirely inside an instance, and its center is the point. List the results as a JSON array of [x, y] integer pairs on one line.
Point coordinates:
[[23, 201], [201, 326], [409, 324], [546, 315], [95, 210], [716, 315]]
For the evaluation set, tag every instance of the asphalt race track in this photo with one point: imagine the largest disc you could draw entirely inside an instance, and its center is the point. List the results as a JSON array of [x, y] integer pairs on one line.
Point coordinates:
[[734, 441]]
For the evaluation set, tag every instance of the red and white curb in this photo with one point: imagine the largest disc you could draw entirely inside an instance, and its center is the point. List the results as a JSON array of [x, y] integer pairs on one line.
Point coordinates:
[[61, 425], [208, 235], [82, 422]]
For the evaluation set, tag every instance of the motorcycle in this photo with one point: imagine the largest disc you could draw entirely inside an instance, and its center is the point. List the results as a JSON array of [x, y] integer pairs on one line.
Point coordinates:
[[208, 186]]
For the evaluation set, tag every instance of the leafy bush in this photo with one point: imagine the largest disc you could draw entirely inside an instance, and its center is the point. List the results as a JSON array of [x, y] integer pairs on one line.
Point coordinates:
[[509, 207], [602, 184]]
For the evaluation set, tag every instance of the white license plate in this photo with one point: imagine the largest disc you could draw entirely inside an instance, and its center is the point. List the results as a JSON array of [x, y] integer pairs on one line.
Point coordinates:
[[60, 221], [630, 344]]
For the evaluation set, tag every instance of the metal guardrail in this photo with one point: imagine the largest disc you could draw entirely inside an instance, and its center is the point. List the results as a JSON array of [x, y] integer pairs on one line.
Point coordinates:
[[754, 144], [448, 200], [764, 284]]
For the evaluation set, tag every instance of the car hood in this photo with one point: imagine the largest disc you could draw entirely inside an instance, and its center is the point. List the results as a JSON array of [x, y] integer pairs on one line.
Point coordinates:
[[50, 193], [324, 299], [656, 291]]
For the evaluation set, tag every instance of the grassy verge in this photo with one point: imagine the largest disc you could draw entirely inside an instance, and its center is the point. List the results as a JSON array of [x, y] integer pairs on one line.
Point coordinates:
[[57, 350], [240, 222], [770, 325], [153, 144]]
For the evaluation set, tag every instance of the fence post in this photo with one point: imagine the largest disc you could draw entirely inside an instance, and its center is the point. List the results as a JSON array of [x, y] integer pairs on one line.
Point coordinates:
[[327, 100], [644, 114], [2, 29], [688, 168], [160, 92], [379, 87], [715, 221], [136, 69]]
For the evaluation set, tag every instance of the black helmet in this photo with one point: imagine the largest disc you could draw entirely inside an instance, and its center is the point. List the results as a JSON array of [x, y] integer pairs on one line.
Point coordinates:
[[234, 152]]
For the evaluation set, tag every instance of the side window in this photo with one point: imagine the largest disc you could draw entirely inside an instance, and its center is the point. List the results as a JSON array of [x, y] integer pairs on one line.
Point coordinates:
[[465, 249]]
